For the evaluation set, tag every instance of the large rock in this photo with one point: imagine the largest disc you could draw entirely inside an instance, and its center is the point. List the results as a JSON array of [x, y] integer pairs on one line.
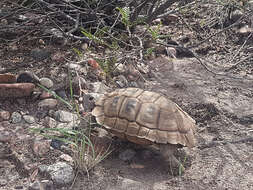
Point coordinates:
[[16, 90]]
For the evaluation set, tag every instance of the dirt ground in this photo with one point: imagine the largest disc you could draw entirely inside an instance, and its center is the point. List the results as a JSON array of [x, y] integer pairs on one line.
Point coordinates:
[[221, 104]]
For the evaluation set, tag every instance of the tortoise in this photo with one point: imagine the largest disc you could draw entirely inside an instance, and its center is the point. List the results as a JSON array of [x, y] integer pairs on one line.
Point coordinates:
[[146, 118]]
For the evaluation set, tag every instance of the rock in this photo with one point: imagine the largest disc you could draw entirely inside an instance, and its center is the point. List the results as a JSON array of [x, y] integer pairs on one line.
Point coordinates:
[[46, 82], [127, 155], [16, 117], [4, 115], [133, 84], [171, 18], [40, 114], [64, 116], [3, 182], [121, 68], [101, 132], [19, 187], [99, 87], [245, 30], [40, 54], [27, 77], [236, 15], [143, 68], [41, 147], [171, 52], [74, 67], [67, 158], [121, 81], [61, 173], [49, 122], [16, 90], [88, 102], [57, 36], [78, 83], [7, 78], [45, 95], [29, 119], [5, 136], [47, 104], [57, 144], [47, 185]]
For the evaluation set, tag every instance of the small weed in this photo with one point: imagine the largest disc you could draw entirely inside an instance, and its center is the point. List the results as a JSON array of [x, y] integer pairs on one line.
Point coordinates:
[[86, 153], [181, 167]]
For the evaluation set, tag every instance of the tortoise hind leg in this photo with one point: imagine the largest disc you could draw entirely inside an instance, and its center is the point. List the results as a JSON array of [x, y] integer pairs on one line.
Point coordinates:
[[167, 151]]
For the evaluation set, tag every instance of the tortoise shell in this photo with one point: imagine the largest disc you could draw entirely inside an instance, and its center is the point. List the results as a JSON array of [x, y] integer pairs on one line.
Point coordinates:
[[144, 117]]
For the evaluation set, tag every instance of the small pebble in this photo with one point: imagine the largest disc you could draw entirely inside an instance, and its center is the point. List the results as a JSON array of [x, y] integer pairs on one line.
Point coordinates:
[[29, 119], [46, 82], [16, 117]]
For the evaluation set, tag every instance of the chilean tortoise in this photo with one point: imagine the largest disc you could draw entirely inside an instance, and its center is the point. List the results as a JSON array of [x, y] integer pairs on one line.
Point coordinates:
[[145, 117]]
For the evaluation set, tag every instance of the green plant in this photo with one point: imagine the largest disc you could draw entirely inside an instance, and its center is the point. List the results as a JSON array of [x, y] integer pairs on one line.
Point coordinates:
[[155, 31], [125, 15], [181, 167]]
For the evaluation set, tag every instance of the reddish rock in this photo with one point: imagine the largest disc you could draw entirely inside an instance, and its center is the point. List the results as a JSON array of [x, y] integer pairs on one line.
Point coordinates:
[[16, 90], [41, 147], [7, 78], [4, 115], [45, 95]]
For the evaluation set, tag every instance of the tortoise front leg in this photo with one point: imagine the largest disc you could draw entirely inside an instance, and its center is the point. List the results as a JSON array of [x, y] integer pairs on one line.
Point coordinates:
[[167, 151]]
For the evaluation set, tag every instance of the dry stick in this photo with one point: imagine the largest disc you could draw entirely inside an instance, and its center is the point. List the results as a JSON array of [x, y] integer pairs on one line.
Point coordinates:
[[239, 52], [221, 31], [236, 64], [160, 10], [141, 45]]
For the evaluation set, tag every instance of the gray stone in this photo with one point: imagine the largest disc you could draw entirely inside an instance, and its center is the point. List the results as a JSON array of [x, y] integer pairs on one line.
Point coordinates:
[[133, 84], [64, 116], [49, 122], [236, 15], [16, 117], [47, 104], [3, 182], [127, 155], [46, 82], [121, 81], [61, 173], [43, 168], [74, 67], [99, 87], [29, 119]]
